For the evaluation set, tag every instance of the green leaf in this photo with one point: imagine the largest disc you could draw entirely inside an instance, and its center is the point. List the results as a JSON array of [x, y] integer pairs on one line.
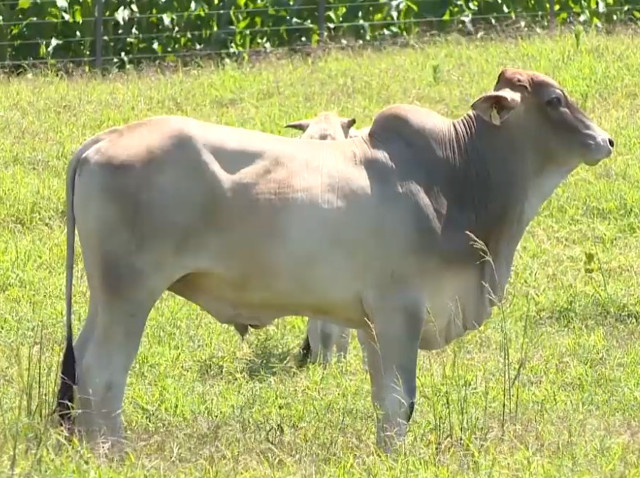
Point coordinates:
[[77, 14]]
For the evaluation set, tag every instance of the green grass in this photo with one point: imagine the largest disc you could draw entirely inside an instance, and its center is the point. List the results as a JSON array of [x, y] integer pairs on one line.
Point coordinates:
[[548, 387]]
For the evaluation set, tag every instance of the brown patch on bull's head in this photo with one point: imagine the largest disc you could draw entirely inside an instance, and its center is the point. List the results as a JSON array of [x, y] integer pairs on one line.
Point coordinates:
[[534, 105], [325, 126]]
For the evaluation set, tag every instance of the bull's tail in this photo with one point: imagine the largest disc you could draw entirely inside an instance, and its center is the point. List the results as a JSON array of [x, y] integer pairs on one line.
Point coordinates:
[[68, 378]]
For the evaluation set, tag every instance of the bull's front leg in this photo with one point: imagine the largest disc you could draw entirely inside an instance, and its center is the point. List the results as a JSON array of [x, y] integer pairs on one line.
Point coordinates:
[[363, 336], [392, 354]]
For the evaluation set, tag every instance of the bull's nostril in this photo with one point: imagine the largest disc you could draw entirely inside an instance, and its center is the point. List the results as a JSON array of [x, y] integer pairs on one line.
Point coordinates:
[[611, 143]]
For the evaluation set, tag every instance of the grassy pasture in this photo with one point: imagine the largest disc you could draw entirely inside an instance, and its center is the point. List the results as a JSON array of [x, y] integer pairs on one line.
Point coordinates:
[[548, 387]]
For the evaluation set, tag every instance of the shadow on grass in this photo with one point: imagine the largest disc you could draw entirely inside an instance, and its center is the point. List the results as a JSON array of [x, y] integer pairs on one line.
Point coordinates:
[[271, 357]]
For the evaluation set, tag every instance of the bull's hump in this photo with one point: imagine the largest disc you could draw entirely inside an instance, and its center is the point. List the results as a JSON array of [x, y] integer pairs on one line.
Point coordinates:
[[405, 120], [394, 116]]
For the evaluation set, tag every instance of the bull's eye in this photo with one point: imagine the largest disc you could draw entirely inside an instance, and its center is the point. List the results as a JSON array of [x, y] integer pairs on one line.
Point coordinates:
[[554, 102]]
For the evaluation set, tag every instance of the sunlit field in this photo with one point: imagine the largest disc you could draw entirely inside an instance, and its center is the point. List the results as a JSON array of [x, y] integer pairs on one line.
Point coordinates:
[[549, 386]]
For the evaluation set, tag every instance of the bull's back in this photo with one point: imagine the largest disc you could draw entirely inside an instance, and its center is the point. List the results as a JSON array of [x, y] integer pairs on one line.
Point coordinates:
[[315, 223]]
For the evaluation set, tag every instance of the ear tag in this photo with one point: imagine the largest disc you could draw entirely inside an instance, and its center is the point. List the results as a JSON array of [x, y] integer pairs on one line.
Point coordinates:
[[495, 117]]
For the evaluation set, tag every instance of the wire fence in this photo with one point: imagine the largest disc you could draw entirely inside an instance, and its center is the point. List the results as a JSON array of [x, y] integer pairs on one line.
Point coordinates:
[[117, 33]]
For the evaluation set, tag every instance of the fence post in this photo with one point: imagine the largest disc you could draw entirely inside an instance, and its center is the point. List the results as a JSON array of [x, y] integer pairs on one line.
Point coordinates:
[[98, 34], [552, 15], [321, 25]]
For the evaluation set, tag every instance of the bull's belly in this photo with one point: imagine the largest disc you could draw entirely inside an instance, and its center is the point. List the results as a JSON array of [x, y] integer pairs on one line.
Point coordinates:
[[250, 276], [255, 302]]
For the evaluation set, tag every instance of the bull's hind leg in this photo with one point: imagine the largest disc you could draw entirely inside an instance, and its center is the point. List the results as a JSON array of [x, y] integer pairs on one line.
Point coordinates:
[[392, 354], [112, 342], [363, 337], [81, 344]]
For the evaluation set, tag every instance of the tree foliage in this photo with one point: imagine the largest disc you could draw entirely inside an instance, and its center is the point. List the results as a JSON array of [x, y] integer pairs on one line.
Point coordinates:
[[135, 29]]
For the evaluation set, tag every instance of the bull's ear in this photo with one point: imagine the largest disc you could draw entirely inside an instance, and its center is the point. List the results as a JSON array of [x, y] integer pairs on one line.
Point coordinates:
[[496, 106], [301, 125], [347, 123]]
